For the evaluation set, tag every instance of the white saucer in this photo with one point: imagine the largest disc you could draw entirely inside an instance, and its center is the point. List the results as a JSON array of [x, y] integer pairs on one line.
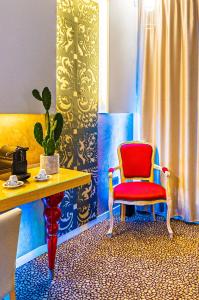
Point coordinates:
[[42, 179], [19, 183]]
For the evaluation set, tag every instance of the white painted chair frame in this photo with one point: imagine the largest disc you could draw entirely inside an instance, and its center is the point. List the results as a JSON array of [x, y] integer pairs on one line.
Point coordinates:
[[139, 202]]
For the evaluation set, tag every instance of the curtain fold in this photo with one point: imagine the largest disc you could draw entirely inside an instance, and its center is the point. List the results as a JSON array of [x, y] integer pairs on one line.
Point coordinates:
[[169, 88]]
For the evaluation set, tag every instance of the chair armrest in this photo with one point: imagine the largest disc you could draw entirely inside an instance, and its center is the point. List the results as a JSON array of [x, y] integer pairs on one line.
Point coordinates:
[[166, 173], [164, 170], [112, 170], [110, 176]]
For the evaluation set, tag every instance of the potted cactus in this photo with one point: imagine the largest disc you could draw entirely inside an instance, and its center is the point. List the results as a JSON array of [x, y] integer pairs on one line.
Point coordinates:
[[48, 138]]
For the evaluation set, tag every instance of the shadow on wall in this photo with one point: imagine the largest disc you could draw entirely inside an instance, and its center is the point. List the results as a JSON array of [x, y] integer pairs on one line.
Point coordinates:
[[113, 129]]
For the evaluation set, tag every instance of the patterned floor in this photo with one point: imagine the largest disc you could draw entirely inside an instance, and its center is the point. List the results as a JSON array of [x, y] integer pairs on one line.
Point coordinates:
[[138, 263]]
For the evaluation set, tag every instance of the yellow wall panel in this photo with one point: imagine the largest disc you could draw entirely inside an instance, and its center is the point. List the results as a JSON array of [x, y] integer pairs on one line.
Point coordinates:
[[17, 130]]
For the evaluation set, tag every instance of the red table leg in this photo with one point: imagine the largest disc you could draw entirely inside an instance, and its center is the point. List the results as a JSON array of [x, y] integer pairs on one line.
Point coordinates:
[[52, 213]]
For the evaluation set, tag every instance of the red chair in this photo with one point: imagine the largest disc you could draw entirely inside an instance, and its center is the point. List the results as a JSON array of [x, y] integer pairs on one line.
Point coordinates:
[[136, 165]]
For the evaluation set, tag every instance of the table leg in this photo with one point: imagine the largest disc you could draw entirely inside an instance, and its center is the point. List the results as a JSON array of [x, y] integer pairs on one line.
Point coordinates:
[[52, 213]]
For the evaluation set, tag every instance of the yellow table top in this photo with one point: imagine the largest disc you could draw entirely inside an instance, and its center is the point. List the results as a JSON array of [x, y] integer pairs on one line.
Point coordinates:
[[33, 190]]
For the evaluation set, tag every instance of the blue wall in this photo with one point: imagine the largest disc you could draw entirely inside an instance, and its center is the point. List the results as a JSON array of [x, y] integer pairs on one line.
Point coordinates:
[[32, 227], [113, 129]]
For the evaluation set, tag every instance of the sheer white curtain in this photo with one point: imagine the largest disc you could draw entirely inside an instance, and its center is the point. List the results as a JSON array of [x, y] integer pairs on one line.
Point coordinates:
[[169, 93]]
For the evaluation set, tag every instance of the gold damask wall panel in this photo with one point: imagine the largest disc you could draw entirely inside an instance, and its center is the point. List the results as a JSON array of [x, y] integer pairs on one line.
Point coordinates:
[[77, 100]]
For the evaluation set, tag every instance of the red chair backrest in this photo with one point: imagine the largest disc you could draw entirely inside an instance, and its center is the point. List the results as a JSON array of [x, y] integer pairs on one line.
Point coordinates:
[[136, 160]]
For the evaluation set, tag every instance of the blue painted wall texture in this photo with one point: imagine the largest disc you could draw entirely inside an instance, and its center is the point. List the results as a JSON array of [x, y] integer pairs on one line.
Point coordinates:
[[113, 129], [32, 228]]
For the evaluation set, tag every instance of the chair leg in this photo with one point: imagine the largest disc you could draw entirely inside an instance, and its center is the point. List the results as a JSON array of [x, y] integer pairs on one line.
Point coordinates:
[[168, 220], [12, 295], [110, 231], [123, 212], [153, 212]]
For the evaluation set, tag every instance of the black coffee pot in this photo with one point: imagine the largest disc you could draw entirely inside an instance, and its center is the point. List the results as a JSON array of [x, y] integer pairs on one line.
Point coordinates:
[[13, 161], [19, 164]]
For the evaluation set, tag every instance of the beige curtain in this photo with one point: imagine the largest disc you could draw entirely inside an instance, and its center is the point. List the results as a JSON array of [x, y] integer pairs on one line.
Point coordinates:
[[169, 66]]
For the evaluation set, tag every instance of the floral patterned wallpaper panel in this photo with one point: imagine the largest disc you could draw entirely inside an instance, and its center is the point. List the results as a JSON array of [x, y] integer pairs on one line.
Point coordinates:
[[77, 100]]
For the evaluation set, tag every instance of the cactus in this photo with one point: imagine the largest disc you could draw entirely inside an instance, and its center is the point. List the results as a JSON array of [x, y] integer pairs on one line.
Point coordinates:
[[59, 125], [38, 133], [54, 125]]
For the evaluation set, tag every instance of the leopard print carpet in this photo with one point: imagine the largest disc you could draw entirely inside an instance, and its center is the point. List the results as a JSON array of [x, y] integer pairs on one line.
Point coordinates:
[[140, 262]]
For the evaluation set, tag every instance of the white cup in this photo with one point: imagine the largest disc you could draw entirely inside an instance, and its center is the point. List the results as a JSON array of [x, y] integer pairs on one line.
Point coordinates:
[[42, 173], [12, 180]]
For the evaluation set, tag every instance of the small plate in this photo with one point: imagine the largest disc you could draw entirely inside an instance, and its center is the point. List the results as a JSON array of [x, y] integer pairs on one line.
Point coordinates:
[[42, 179], [19, 183]]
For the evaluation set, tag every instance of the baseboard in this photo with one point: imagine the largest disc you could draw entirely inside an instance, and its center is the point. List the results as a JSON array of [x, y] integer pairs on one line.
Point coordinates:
[[43, 249]]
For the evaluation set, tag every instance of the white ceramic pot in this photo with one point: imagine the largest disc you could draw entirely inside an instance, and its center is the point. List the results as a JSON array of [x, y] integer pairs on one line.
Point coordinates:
[[50, 163]]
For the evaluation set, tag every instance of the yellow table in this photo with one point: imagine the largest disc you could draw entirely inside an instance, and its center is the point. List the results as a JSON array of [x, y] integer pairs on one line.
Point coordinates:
[[52, 193]]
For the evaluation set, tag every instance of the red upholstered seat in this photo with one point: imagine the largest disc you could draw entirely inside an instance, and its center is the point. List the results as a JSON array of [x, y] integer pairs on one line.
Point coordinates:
[[139, 191]]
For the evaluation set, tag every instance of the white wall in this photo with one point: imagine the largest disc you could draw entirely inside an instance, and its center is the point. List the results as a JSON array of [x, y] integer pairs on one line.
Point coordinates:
[[123, 16], [27, 53]]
